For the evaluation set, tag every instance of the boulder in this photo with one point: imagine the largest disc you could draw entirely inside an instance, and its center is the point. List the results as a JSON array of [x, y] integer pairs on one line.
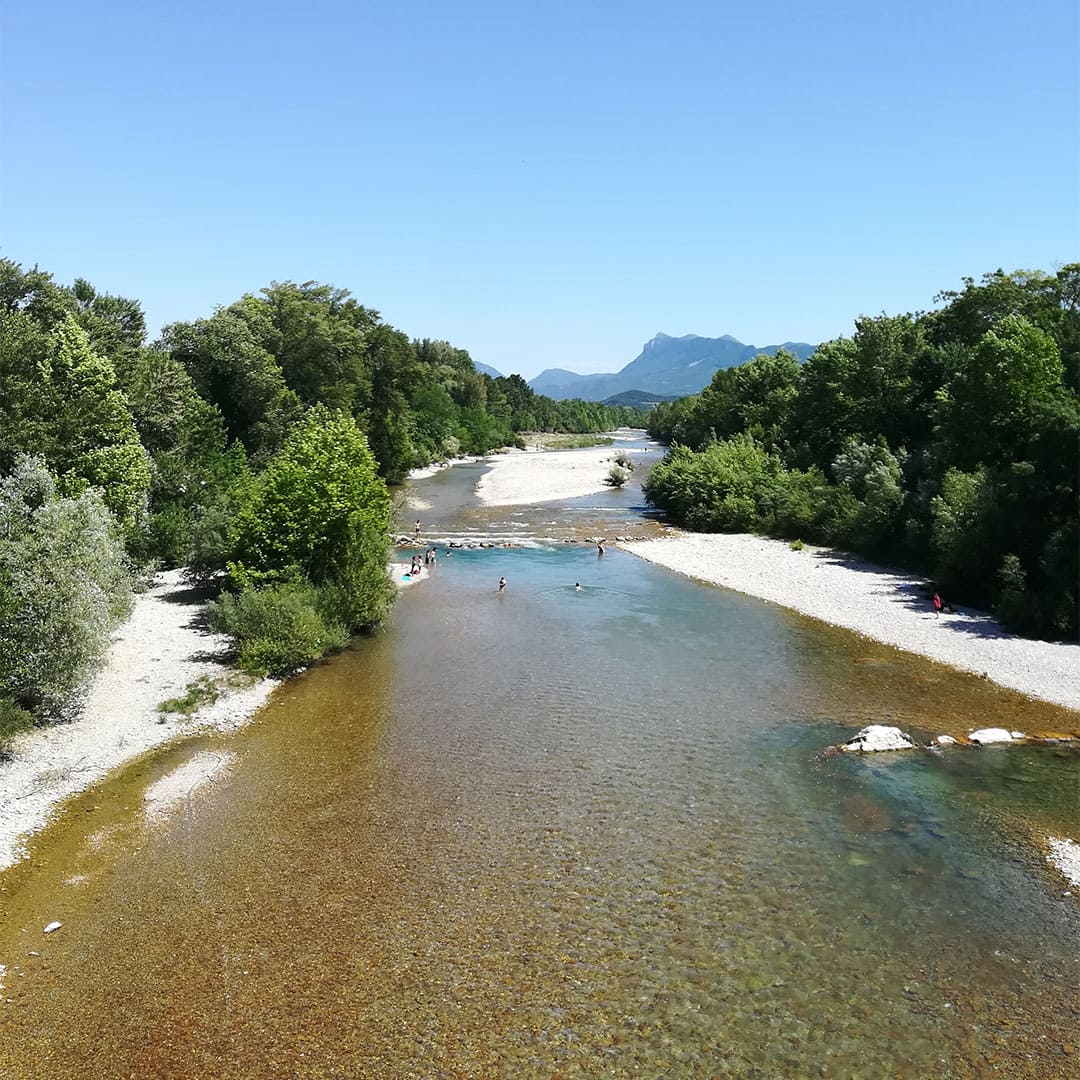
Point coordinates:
[[984, 736], [944, 740], [878, 737]]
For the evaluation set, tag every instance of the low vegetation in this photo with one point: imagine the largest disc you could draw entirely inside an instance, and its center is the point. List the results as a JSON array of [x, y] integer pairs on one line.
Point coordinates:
[[616, 476], [565, 442], [197, 695]]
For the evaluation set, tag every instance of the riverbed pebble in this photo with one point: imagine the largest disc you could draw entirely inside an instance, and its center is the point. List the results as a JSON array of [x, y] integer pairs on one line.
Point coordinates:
[[51, 927]]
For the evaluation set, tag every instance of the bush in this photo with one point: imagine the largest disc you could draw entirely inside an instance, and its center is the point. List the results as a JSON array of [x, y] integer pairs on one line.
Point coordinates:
[[319, 513], [616, 477], [624, 462], [64, 585], [280, 628], [796, 545], [13, 720]]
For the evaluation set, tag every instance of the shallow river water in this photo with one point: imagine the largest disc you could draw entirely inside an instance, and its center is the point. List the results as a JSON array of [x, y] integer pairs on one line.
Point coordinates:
[[566, 833]]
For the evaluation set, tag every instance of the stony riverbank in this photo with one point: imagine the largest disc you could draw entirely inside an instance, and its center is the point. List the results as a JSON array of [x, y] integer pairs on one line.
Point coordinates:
[[520, 478], [161, 649]]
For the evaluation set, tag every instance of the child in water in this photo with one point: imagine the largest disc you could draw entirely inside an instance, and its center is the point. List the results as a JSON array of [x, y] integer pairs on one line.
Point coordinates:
[[502, 584]]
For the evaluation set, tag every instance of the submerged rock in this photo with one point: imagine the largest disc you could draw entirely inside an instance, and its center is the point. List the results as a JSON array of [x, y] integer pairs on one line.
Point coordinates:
[[51, 927], [877, 737], [984, 736]]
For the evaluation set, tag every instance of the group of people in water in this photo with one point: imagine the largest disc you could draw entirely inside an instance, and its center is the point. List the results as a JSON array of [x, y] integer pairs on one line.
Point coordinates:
[[430, 555], [419, 561]]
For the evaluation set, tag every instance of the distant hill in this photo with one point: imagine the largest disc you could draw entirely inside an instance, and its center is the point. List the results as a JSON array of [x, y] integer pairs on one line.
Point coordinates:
[[640, 399], [487, 369], [668, 367]]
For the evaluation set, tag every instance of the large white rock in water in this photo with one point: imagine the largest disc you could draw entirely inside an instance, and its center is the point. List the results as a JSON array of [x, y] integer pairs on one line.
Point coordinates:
[[990, 735], [878, 737]]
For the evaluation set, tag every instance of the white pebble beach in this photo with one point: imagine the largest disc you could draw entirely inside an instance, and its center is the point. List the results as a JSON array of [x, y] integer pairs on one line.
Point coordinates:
[[154, 656]]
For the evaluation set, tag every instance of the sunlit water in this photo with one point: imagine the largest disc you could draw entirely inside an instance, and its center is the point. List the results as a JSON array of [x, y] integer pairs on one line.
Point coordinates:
[[563, 832]]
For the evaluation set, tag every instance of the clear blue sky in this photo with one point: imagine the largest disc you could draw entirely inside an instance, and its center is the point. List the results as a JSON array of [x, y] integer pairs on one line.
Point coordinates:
[[545, 185]]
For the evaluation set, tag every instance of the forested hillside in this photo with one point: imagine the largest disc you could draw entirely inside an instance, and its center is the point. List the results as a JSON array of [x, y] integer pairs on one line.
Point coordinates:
[[253, 445], [948, 440]]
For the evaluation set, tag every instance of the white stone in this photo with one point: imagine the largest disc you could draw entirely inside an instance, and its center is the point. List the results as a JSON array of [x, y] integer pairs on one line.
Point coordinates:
[[1017, 734], [1065, 856], [944, 740], [51, 927], [990, 735], [878, 737]]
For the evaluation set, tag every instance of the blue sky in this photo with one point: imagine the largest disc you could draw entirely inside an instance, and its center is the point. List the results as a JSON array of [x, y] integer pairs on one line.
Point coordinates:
[[545, 185]]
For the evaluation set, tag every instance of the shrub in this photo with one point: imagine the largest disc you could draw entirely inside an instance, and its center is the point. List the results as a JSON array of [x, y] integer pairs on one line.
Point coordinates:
[[280, 628], [64, 585], [616, 477], [13, 720], [624, 462], [796, 545]]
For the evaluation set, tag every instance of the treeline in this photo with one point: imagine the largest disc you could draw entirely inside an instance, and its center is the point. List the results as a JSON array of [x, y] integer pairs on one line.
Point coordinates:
[[947, 440], [254, 446]]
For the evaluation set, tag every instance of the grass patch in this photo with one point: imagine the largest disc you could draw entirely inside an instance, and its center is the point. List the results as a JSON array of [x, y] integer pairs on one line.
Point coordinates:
[[204, 691], [552, 441]]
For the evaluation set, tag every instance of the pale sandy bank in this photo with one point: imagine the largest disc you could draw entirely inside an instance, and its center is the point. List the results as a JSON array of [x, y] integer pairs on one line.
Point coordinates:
[[884, 605], [155, 655], [521, 478]]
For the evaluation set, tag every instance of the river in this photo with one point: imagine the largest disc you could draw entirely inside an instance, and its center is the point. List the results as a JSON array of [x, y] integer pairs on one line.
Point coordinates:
[[565, 832]]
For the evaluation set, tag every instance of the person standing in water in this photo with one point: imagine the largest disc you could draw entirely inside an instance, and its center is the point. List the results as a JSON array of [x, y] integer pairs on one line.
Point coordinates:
[[577, 586], [502, 584], [416, 529], [600, 547]]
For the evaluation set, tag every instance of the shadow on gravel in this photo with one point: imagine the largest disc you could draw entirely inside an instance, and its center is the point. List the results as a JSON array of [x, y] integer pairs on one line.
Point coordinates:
[[213, 656], [195, 594], [897, 587]]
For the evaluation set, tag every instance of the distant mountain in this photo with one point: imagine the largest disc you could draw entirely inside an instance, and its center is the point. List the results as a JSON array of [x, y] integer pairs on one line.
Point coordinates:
[[487, 369], [667, 367], [640, 399]]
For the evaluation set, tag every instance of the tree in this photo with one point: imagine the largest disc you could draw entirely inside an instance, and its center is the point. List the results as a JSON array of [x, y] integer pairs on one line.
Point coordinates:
[[233, 371], [63, 587], [319, 512]]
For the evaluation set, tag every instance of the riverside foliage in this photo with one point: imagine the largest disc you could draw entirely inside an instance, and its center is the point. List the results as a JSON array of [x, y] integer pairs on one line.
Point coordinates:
[[253, 445], [948, 440]]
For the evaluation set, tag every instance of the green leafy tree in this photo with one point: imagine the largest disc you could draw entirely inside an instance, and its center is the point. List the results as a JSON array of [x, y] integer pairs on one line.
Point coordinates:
[[233, 371], [64, 586], [319, 512]]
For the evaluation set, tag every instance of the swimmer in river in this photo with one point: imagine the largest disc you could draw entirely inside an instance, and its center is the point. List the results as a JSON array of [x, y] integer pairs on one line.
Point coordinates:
[[502, 584], [577, 586]]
